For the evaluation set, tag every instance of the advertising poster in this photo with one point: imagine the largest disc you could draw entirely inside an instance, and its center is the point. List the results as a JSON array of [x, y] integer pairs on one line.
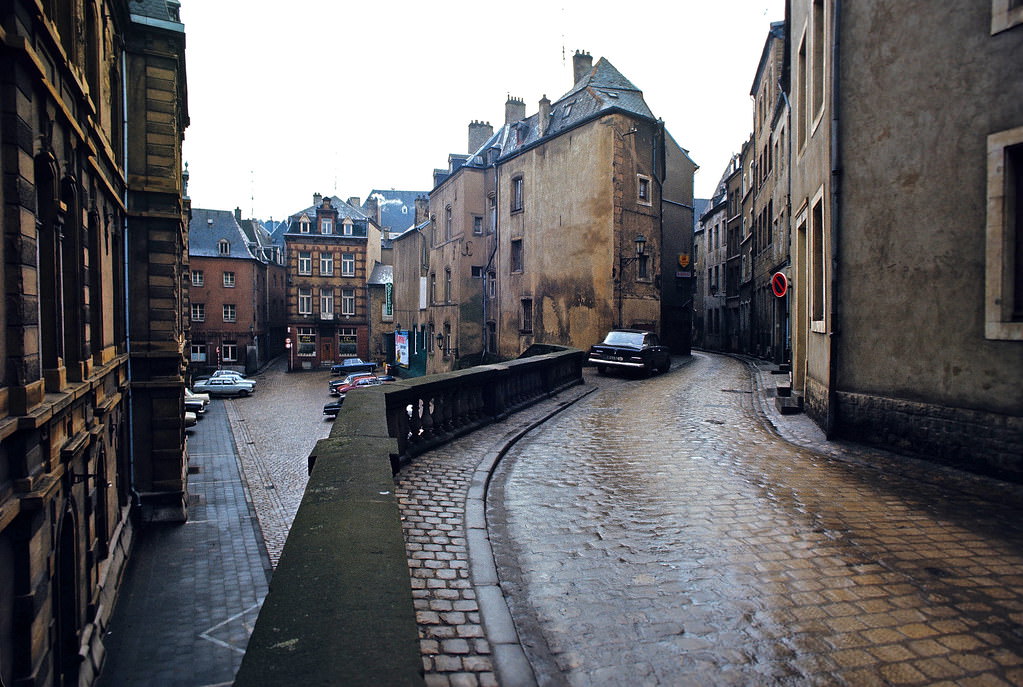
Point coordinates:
[[401, 348]]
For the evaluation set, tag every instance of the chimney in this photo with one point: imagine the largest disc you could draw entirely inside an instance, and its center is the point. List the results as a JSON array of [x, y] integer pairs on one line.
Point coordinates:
[[372, 209], [582, 64], [514, 110], [238, 215], [479, 133], [317, 200], [422, 209], [544, 115], [355, 202]]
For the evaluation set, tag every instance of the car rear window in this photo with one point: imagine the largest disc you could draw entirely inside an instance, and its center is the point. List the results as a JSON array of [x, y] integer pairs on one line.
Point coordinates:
[[624, 339]]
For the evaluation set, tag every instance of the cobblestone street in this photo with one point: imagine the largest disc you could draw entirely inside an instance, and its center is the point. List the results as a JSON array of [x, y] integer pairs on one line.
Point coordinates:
[[275, 430], [656, 533]]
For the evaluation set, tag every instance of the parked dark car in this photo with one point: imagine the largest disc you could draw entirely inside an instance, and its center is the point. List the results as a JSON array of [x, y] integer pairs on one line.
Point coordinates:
[[333, 408], [350, 365], [630, 349]]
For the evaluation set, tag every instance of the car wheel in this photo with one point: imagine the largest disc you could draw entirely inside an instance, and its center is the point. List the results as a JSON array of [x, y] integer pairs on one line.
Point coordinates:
[[244, 392], [666, 366]]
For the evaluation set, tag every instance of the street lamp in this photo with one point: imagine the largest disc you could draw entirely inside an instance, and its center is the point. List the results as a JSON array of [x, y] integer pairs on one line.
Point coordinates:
[[640, 243]]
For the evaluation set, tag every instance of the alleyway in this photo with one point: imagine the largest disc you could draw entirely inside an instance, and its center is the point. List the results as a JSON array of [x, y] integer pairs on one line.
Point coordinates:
[[655, 533]]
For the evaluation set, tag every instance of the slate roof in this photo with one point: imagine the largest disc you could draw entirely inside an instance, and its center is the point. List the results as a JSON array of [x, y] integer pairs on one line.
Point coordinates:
[[208, 227], [601, 90], [343, 210], [156, 9], [382, 274], [397, 208]]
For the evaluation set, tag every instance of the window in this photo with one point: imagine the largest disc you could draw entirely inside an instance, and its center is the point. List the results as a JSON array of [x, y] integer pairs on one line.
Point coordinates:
[[818, 257], [306, 342], [347, 301], [346, 228], [527, 315], [447, 285], [229, 280], [327, 303], [326, 226], [433, 287], [644, 190], [516, 199], [516, 255], [305, 262], [447, 338], [1004, 269], [492, 284], [477, 272], [303, 225], [230, 312], [801, 99], [326, 264], [817, 66], [198, 312], [347, 342], [447, 222], [493, 212], [643, 267], [305, 300], [223, 247], [230, 351], [477, 225], [198, 353], [348, 264], [1005, 14], [197, 278]]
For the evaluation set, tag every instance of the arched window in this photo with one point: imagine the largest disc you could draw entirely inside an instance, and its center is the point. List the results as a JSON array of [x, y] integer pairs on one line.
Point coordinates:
[[447, 222], [51, 338]]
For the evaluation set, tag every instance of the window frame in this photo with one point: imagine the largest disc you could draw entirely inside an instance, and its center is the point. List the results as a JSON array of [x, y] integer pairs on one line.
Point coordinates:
[[516, 262], [305, 296], [517, 193], [326, 225], [326, 264], [197, 353], [229, 280], [1003, 232], [229, 351], [326, 300], [198, 279], [305, 263], [230, 312], [348, 301], [348, 264], [198, 312], [223, 247], [526, 315], [643, 190]]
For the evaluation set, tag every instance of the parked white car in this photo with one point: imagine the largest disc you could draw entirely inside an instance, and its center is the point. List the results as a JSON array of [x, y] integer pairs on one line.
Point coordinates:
[[225, 386]]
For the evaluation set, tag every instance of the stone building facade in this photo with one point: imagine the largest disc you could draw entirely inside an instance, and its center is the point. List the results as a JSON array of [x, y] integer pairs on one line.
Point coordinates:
[[94, 222], [905, 195], [237, 287], [517, 257], [331, 249]]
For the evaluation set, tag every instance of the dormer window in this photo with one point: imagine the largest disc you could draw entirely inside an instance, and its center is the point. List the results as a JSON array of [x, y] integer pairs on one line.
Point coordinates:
[[347, 227], [303, 226], [223, 247], [326, 226], [566, 110]]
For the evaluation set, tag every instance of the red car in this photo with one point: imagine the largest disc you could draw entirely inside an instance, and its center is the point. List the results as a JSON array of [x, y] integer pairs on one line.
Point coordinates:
[[355, 384]]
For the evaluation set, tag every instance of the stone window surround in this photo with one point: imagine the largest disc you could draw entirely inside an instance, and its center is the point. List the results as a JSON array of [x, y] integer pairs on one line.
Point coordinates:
[[1005, 14], [999, 257]]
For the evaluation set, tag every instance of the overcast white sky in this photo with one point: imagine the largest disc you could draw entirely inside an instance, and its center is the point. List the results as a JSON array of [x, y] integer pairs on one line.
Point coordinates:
[[291, 98]]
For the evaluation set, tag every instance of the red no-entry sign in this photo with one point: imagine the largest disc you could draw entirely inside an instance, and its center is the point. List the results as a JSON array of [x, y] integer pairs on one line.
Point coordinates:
[[779, 284]]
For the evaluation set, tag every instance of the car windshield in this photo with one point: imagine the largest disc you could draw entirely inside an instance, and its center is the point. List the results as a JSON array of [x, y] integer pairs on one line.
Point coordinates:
[[624, 339]]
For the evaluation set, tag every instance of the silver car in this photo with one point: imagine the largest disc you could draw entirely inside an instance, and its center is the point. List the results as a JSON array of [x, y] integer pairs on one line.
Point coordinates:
[[224, 386]]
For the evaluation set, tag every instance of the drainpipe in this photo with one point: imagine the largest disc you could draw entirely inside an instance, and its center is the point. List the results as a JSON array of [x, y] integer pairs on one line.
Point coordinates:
[[836, 176], [136, 498]]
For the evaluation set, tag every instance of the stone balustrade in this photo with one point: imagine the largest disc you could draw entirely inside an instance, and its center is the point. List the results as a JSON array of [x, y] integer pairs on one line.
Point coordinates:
[[340, 610]]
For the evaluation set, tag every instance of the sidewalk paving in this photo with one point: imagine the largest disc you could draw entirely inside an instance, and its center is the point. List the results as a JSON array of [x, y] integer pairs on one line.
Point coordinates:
[[192, 591]]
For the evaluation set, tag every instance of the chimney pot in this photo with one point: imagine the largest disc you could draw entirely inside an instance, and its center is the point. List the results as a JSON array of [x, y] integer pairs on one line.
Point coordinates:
[[544, 114], [317, 199]]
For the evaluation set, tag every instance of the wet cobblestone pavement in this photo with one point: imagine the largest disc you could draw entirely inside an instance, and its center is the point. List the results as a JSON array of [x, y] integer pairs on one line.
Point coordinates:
[[275, 430], [656, 533]]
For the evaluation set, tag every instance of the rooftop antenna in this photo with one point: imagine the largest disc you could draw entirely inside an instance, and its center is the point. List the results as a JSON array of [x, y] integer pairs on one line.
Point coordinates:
[[252, 193]]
